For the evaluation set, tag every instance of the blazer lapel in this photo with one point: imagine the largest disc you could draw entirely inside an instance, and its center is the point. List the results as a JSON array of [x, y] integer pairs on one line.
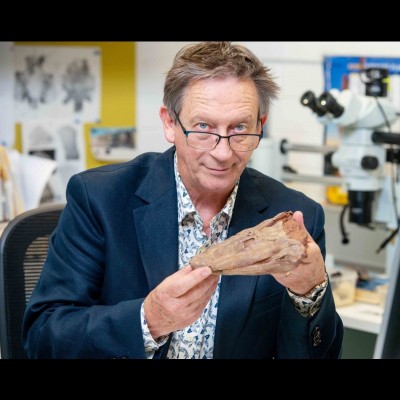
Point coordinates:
[[237, 291], [156, 221]]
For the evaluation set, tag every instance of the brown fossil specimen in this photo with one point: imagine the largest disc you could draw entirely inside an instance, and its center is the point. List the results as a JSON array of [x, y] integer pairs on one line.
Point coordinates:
[[275, 245]]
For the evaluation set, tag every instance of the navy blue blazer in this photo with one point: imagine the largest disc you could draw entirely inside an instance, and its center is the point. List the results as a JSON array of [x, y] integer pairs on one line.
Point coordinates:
[[117, 239]]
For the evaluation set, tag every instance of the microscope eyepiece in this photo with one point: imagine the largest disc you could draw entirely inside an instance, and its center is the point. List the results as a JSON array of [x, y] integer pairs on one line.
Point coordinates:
[[309, 100], [329, 104]]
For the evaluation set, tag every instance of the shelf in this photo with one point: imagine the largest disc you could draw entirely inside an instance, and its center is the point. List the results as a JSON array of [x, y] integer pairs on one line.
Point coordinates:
[[362, 316]]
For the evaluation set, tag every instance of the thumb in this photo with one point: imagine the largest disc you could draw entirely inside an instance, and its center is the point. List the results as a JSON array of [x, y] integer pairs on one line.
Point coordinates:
[[299, 218]]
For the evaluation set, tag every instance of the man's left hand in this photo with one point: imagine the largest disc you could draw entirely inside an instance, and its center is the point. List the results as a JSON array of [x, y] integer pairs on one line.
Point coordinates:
[[310, 272]]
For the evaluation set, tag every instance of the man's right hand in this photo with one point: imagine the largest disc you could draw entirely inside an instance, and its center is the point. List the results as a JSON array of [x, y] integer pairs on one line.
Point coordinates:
[[179, 300]]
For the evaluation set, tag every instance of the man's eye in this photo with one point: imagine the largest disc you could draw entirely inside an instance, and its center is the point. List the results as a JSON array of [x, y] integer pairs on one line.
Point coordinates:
[[240, 128], [203, 125]]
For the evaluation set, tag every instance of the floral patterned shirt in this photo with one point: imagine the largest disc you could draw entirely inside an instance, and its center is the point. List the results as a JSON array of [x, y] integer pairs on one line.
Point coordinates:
[[197, 340]]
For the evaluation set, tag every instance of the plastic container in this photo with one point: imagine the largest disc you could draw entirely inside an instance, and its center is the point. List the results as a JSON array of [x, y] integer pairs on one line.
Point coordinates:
[[343, 282]]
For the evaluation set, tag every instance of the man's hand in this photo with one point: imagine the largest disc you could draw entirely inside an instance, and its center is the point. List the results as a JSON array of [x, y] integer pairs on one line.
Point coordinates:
[[308, 274], [179, 300]]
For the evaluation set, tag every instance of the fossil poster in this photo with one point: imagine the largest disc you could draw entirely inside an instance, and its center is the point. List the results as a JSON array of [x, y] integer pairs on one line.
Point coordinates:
[[113, 144], [58, 140], [57, 82]]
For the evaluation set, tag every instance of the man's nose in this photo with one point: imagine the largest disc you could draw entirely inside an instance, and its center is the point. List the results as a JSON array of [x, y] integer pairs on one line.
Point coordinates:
[[223, 144]]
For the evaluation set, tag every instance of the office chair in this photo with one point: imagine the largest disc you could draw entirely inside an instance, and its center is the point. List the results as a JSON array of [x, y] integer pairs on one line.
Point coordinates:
[[23, 251]]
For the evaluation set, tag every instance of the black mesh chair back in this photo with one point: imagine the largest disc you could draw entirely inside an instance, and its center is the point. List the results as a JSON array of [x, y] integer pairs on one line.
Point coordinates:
[[23, 251]]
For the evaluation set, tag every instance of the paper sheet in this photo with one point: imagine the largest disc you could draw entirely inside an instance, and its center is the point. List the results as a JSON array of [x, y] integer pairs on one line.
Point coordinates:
[[30, 175], [61, 141], [61, 82]]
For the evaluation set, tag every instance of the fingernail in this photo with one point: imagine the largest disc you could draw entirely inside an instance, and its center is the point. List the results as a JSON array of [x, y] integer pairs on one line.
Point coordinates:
[[206, 271]]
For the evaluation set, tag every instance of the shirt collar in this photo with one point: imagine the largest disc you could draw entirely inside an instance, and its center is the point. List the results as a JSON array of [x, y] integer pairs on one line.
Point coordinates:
[[185, 205]]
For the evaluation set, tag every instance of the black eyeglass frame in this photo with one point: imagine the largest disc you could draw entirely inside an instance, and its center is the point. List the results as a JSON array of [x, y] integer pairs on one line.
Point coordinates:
[[186, 133]]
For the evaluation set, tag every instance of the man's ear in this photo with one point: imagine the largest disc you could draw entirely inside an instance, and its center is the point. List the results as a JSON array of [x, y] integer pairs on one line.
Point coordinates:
[[168, 124], [264, 119]]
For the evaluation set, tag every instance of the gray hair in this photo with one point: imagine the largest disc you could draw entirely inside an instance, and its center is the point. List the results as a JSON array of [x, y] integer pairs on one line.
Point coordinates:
[[215, 60]]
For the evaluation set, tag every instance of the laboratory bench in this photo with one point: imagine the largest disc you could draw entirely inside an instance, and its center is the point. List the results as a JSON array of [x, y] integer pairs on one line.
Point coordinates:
[[362, 322], [362, 316]]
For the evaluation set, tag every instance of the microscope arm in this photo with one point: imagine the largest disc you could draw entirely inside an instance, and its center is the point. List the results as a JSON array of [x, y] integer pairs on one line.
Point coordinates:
[[385, 137]]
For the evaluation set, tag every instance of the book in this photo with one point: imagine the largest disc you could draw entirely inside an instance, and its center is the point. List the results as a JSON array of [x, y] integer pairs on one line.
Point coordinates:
[[372, 290]]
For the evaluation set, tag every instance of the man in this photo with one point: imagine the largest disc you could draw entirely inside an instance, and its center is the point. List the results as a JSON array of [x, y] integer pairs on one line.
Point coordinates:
[[118, 283]]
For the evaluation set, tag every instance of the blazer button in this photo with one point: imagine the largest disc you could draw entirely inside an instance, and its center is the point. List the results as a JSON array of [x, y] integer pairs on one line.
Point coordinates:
[[316, 336]]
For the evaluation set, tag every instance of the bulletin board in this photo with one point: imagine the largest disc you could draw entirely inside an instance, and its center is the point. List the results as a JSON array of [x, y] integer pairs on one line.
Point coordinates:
[[66, 90], [342, 72], [117, 97]]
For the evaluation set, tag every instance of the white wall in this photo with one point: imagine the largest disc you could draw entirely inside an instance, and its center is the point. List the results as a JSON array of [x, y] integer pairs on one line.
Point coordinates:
[[7, 123], [153, 62], [297, 67], [315, 51]]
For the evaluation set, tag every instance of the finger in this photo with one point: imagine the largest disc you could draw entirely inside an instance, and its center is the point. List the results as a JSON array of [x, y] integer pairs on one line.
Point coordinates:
[[204, 289], [190, 278], [199, 308], [184, 270], [202, 298], [191, 304]]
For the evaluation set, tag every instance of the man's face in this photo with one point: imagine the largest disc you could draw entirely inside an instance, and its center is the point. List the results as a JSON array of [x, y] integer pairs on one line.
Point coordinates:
[[223, 106]]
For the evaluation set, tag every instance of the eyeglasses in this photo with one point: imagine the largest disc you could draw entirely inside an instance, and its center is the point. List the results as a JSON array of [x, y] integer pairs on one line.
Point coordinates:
[[209, 141]]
